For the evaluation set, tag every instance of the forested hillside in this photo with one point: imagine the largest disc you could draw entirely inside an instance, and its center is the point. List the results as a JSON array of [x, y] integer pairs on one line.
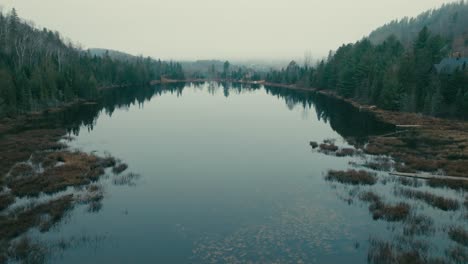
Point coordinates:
[[38, 69], [450, 22], [394, 75]]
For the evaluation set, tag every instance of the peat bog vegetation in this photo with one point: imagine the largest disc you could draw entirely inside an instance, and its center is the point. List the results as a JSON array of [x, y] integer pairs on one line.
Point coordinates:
[[106, 157]]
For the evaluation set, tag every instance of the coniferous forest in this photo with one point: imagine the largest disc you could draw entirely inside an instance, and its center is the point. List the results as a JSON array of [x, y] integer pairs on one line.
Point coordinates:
[[396, 70], [38, 69]]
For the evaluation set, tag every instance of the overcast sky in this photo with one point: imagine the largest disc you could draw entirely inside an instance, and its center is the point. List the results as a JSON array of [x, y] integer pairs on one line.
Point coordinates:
[[225, 29]]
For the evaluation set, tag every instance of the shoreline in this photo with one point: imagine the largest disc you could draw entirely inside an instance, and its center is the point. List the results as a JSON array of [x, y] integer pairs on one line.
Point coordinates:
[[423, 143], [450, 136], [21, 141]]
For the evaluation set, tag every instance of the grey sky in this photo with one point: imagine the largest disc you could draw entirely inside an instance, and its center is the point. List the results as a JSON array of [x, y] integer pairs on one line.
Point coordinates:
[[231, 29]]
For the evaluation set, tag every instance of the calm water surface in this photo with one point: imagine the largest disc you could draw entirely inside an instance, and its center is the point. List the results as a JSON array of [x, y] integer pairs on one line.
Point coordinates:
[[226, 175]]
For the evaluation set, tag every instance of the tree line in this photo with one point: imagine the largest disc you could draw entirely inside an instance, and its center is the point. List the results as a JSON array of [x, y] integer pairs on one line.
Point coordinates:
[[389, 74], [450, 21], [38, 69]]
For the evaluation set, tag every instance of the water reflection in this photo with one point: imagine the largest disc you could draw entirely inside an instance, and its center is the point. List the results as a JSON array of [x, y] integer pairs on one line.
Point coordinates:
[[225, 192], [342, 117]]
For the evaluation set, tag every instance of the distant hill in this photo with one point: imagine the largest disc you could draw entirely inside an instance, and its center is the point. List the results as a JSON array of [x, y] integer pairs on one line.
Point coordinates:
[[449, 21], [114, 54], [202, 66]]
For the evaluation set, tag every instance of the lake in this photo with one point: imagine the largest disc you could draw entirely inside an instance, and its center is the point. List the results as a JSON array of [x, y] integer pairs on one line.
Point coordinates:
[[224, 173]]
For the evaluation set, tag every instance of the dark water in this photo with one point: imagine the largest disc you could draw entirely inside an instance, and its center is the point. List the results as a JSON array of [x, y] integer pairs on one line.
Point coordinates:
[[227, 175]]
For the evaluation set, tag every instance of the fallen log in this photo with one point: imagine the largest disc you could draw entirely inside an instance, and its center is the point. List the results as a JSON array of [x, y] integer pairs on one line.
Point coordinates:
[[427, 176], [408, 126]]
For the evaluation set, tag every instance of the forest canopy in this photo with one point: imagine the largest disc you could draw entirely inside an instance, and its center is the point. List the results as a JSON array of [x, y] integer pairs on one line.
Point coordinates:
[[38, 69], [399, 72]]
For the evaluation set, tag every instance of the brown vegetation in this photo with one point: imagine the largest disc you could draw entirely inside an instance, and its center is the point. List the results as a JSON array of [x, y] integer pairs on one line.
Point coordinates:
[[412, 182], [128, 179], [440, 202], [418, 225], [314, 144], [381, 252], [452, 184], [328, 147], [18, 147], [93, 197], [389, 212], [119, 168], [27, 251], [352, 177], [431, 148], [61, 170], [382, 210], [458, 255], [17, 223], [6, 200], [379, 164], [459, 235], [345, 152]]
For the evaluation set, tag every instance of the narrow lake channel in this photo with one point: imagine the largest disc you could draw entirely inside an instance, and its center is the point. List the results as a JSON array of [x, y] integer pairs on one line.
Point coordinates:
[[224, 173]]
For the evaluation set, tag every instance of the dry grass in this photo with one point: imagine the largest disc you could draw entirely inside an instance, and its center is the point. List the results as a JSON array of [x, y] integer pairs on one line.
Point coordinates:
[[412, 182], [18, 146], [128, 179], [18, 223], [379, 164], [433, 200], [27, 251], [388, 212], [119, 168], [426, 149], [61, 170], [352, 177], [418, 225], [93, 198], [459, 235], [451, 184], [328, 147], [22, 170], [345, 152], [458, 255], [314, 144], [384, 211], [6, 200], [382, 252], [369, 197]]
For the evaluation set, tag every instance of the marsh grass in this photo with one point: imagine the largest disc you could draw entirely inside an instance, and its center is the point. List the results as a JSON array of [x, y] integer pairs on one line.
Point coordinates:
[[75, 169], [458, 255], [119, 168], [381, 210], [380, 163], [20, 221], [411, 182], [6, 199], [314, 144], [92, 197], [418, 225], [353, 177], [27, 251], [128, 179], [383, 252], [328, 147], [345, 152], [458, 185], [442, 203], [459, 235]]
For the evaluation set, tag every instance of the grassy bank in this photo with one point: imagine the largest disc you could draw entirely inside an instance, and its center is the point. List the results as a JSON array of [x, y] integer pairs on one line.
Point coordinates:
[[420, 143]]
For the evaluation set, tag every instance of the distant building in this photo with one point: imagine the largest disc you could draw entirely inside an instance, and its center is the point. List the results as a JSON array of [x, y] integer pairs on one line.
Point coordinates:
[[450, 65]]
